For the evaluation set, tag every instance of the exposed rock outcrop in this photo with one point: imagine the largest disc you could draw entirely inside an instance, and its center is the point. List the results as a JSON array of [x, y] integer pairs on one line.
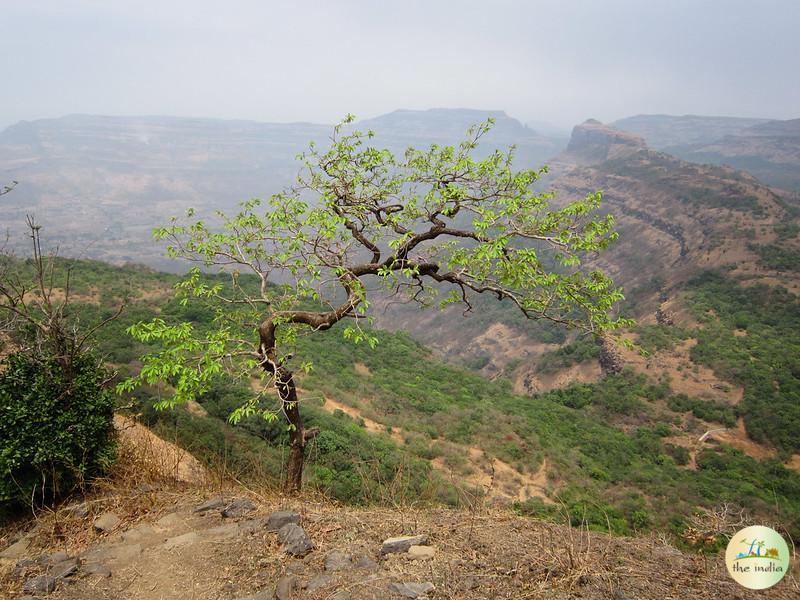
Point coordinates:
[[592, 142]]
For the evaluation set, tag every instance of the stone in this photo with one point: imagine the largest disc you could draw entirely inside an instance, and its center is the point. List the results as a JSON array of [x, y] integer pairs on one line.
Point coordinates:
[[39, 584], [106, 522], [238, 508], [146, 488], [182, 540], [280, 518], [97, 569], [285, 587], [68, 568], [295, 540], [224, 532], [421, 552], [318, 581], [338, 561], [296, 567], [16, 550], [53, 559], [218, 502], [169, 521], [138, 533], [403, 543], [412, 590], [78, 511], [22, 566], [342, 595], [365, 562]]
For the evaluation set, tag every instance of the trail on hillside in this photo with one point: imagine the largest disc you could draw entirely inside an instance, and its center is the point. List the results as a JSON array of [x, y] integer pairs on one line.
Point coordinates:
[[499, 480]]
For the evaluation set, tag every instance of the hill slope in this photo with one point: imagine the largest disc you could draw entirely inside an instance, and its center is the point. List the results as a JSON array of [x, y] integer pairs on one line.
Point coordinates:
[[162, 547]]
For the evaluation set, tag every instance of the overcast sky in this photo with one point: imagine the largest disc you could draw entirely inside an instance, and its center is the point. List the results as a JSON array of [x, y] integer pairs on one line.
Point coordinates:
[[557, 61]]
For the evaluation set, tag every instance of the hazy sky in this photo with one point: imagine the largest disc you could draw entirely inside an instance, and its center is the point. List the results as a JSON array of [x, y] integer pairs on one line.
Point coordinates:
[[558, 61]]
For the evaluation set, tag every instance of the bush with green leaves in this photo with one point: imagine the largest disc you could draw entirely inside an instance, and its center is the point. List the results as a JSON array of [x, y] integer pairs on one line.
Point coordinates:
[[55, 429]]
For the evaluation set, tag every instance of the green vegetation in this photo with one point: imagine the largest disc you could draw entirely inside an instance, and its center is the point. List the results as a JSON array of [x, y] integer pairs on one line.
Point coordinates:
[[634, 477], [777, 257], [574, 353], [55, 427], [654, 338], [766, 361], [708, 410]]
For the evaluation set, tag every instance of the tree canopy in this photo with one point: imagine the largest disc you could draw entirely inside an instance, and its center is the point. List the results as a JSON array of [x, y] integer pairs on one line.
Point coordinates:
[[434, 227]]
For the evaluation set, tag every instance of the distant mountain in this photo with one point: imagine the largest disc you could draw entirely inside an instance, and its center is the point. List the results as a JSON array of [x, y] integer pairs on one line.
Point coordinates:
[[100, 184], [770, 150], [401, 128], [666, 131]]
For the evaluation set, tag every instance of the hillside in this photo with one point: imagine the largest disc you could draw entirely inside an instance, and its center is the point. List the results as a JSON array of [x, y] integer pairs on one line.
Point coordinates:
[[163, 541], [397, 422], [770, 150]]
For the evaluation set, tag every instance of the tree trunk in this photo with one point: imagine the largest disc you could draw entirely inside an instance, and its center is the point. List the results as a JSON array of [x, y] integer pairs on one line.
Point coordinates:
[[298, 434], [287, 392]]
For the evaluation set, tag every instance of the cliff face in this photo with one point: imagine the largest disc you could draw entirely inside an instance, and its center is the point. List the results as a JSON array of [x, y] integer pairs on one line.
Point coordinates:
[[592, 143]]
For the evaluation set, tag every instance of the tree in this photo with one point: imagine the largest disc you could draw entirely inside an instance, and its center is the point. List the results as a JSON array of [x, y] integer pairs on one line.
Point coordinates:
[[361, 222]]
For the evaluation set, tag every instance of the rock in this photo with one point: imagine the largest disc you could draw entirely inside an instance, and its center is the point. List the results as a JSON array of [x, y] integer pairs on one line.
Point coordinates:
[[224, 532], [97, 569], [52, 559], [106, 522], [341, 595], [338, 561], [22, 566], [238, 508], [40, 584], [421, 552], [146, 488], [295, 540], [169, 521], [78, 511], [138, 533], [218, 502], [278, 519], [16, 550], [182, 540], [403, 543], [296, 567], [318, 581], [412, 590], [68, 568], [365, 562], [285, 587]]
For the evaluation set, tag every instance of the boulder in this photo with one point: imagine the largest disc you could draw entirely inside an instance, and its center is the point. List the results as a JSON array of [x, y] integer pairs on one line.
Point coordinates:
[[280, 518], [403, 543], [412, 590], [238, 507], [214, 503], [295, 540], [338, 561], [106, 522], [41, 584]]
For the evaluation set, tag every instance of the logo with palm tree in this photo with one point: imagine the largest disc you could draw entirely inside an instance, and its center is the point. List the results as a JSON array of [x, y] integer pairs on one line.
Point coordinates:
[[757, 557]]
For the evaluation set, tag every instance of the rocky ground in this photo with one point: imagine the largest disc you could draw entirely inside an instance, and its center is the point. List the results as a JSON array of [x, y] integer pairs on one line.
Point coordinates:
[[170, 543]]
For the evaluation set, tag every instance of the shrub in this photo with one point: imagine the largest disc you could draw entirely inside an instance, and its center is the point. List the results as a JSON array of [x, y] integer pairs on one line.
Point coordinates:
[[55, 429]]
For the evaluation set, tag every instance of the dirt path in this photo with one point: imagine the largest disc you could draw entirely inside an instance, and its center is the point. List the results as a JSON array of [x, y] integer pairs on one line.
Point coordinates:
[[165, 549]]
